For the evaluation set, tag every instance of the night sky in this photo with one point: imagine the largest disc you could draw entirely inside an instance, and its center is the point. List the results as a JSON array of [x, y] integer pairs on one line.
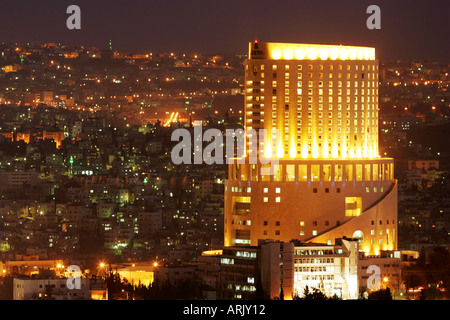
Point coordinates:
[[409, 28]]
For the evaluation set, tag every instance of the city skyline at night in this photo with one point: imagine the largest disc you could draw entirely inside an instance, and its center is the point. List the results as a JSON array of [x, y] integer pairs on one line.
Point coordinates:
[[120, 178]]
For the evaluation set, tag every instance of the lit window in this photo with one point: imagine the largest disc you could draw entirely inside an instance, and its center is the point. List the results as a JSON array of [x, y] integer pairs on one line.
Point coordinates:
[[353, 206], [314, 233], [277, 199], [277, 190], [266, 199], [266, 190]]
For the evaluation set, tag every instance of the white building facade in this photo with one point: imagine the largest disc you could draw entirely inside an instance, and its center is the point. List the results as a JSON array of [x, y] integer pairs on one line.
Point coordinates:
[[333, 269]]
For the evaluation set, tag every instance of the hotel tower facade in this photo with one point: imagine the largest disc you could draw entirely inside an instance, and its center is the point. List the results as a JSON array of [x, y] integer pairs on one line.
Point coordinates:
[[327, 179]]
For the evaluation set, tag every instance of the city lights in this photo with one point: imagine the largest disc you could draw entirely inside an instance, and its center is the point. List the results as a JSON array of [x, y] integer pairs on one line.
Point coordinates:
[[201, 171]]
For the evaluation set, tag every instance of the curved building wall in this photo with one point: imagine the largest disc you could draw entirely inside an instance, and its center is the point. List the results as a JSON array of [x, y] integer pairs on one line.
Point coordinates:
[[313, 200]]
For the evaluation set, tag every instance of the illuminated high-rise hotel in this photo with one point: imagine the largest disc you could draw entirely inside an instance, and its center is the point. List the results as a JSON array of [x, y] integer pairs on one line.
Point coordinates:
[[329, 181]]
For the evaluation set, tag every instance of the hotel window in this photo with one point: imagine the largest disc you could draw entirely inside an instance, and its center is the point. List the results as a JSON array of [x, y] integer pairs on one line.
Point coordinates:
[[386, 172], [277, 190], [315, 169], [265, 199], [367, 172], [302, 233], [277, 172], [353, 206], [375, 172], [290, 172], [349, 172], [265, 190], [338, 172], [302, 172], [314, 232], [277, 199], [358, 172], [302, 223], [327, 172], [274, 67]]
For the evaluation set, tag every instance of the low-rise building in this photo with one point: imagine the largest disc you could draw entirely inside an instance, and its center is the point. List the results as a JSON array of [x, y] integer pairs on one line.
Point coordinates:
[[332, 269]]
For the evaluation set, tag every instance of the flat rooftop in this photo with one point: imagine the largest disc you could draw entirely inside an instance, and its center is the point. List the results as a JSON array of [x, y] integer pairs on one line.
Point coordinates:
[[302, 51]]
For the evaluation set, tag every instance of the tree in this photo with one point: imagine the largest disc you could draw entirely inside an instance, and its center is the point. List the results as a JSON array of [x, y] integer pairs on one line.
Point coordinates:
[[382, 294], [314, 294]]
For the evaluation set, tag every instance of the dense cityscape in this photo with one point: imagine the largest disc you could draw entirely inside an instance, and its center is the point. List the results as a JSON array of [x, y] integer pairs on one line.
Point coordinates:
[[87, 179]]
